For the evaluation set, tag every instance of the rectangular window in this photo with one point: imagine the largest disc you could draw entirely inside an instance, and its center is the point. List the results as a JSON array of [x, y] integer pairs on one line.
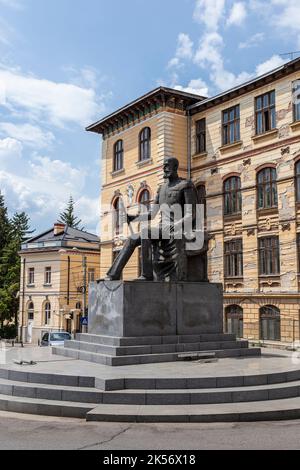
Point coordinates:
[[269, 259], [201, 136], [296, 100], [231, 125], [31, 276], [48, 276], [234, 258], [265, 112], [91, 275]]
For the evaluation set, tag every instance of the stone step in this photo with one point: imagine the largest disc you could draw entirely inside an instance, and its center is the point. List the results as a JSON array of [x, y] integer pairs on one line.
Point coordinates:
[[270, 410], [47, 378], [153, 349], [50, 392], [150, 397], [203, 396], [199, 383], [145, 359], [152, 340], [45, 407]]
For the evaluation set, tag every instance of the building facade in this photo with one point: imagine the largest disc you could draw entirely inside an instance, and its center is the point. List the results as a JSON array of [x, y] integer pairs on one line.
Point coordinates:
[[242, 150], [56, 268]]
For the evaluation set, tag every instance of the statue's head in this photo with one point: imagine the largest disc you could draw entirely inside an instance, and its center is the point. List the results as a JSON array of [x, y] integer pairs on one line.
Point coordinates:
[[171, 165]]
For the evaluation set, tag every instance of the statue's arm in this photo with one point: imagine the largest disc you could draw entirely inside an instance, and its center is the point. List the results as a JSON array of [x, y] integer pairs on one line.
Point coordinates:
[[146, 215]]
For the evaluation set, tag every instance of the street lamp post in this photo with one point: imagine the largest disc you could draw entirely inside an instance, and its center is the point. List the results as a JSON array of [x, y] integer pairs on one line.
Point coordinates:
[[84, 263]]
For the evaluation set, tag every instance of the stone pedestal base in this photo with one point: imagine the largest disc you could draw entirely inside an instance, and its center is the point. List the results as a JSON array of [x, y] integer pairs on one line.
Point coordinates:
[[135, 309]]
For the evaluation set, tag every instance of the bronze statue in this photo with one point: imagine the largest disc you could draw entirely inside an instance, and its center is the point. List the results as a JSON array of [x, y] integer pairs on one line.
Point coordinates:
[[165, 255]]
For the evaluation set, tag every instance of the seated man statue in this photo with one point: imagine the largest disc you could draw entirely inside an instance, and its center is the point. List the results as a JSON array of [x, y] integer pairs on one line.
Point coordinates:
[[167, 250]]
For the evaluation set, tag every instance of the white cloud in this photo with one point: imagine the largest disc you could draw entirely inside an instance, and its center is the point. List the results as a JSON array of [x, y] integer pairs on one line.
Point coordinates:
[[237, 14], [209, 13], [28, 134], [253, 41], [289, 15], [185, 47], [174, 63], [209, 50], [6, 33], [58, 103], [10, 153], [270, 64], [196, 87], [15, 4], [184, 51], [88, 209], [42, 186], [209, 56]]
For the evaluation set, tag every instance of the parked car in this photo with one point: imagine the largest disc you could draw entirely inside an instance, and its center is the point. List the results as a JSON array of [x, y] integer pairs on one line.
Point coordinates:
[[55, 338]]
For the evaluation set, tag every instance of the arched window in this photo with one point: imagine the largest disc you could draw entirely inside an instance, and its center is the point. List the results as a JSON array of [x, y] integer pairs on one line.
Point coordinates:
[[267, 188], [234, 320], [232, 196], [30, 311], [145, 198], [47, 313], [118, 156], [145, 144], [270, 323], [201, 192], [118, 216], [297, 172]]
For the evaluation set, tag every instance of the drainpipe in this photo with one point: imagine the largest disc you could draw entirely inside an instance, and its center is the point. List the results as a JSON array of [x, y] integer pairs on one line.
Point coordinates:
[[68, 281], [189, 145]]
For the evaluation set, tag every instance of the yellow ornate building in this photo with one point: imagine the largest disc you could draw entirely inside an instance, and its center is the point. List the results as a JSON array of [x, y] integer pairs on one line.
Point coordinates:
[[56, 268], [242, 150]]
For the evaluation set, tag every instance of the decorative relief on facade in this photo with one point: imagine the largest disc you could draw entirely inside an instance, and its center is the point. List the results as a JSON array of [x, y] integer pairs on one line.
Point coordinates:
[[270, 283], [251, 232], [250, 122], [268, 224], [130, 194], [234, 285], [282, 113], [247, 162], [233, 229], [118, 243], [285, 226], [284, 131], [285, 150]]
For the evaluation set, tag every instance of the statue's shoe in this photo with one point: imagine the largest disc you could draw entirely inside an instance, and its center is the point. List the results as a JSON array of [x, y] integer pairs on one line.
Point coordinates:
[[143, 278]]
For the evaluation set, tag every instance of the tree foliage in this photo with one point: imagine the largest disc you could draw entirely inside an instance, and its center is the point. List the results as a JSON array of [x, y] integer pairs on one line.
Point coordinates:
[[13, 232], [68, 216]]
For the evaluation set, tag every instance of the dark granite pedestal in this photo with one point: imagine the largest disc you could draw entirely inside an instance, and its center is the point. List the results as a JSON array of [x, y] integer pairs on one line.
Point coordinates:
[[126, 309], [149, 322]]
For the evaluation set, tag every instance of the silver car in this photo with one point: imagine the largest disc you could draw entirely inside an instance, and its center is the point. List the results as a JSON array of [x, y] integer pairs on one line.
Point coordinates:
[[55, 338]]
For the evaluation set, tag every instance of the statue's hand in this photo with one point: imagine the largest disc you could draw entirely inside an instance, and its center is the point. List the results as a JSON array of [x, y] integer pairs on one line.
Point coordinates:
[[130, 218]]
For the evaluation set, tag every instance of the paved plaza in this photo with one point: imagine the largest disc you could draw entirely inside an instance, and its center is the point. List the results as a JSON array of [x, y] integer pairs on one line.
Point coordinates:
[[37, 432]]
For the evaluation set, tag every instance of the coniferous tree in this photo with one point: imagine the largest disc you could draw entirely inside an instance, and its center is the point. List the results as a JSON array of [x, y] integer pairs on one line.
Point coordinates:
[[68, 216], [4, 224], [13, 233]]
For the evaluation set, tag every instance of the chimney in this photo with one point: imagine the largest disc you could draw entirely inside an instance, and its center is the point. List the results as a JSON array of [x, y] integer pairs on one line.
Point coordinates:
[[59, 228]]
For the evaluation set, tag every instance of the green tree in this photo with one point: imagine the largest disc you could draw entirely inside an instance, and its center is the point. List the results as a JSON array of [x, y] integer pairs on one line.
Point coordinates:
[[68, 216], [4, 225], [18, 229]]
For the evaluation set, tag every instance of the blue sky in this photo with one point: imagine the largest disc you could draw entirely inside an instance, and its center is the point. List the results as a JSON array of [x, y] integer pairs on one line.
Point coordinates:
[[66, 63]]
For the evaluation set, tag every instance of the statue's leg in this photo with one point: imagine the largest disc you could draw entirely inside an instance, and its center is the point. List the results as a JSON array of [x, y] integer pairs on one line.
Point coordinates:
[[146, 260], [115, 272]]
